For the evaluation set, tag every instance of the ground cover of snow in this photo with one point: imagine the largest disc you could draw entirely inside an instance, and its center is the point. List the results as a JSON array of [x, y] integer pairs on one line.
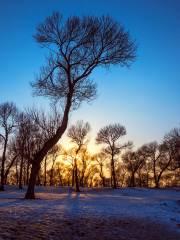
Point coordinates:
[[60, 213]]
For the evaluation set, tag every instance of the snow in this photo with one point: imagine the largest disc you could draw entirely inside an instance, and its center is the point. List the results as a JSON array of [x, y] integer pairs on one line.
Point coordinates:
[[158, 206]]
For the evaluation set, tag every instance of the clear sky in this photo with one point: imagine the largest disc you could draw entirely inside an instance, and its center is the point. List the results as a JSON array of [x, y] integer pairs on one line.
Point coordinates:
[[144, 98]]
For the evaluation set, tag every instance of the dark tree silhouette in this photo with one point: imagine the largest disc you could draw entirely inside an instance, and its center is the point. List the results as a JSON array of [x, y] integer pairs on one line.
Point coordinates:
[[155, 155], [110, 136], [13, 154], [22, 140], [77, 46], [53, 154], [133, 161], [8, 114], [85, 161], [171, 144], [100, 159], [163, 156], [78, 135]]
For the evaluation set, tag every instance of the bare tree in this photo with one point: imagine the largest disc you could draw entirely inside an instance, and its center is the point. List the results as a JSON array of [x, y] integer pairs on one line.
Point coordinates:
[[155, 155], [86, 160], [171, 144], [78, 135], [21, 142], [121, 174], [53, 154], [110, 136], [161, 158], [77, 46], [8, 113], [13, 154], [100, 159], [133, 161], [68, 157]]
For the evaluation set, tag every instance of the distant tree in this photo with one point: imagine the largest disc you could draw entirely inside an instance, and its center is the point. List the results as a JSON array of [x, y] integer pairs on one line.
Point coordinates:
[[155, 154], [68, 158], [91, 176], [133, 161], [171, 144], [53, 154], [78, 135], [85, 160], [61, 169], [8, 114], [162, 157], [121, 174], [22, 139], [77, 46], [12, 154], [110, 136], [101, 159]]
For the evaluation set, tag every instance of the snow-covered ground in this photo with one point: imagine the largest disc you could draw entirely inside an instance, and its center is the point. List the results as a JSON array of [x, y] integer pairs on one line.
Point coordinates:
[[98, 210]]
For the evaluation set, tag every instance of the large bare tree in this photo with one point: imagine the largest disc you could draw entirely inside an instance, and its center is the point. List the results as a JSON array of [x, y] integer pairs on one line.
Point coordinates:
[[110, 135], [76, 47]]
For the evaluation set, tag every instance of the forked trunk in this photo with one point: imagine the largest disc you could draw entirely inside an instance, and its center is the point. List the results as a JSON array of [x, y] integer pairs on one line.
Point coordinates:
[[39, 156], [32, 181]]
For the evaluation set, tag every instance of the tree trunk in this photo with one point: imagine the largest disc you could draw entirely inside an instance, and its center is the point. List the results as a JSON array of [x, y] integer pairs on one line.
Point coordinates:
[[158, 180], [60, 180], [82, 180], [32, 181], [39, 156], [45, 170], [157, 184], [76, 178], [3, 163], [140, 179], [51, 181], [51, 177], [147, 180], [27, 172], [60, 177], [132, 181], [103, 180], [38, 179], [8, 169], [102, 176], [17, 174], [73, 177], [114, 185], [21, 170]]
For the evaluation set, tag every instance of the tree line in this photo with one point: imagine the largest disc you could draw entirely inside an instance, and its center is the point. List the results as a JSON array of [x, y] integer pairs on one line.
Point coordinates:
[[115, 165], [75, 47]]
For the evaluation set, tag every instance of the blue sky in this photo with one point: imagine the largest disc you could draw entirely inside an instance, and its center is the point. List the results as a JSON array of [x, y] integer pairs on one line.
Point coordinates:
[[145, 97]]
